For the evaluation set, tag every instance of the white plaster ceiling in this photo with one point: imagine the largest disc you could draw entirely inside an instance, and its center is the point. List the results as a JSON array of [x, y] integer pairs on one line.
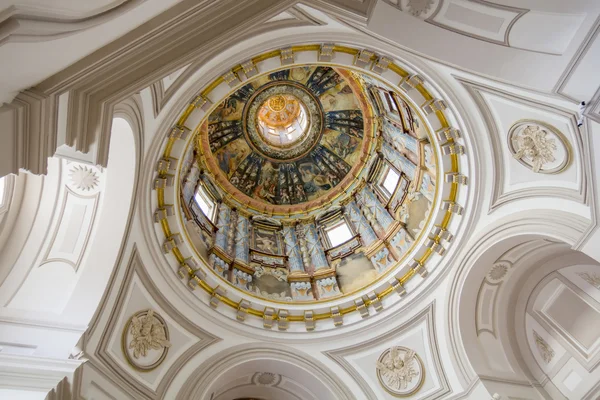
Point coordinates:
[[26, 64]]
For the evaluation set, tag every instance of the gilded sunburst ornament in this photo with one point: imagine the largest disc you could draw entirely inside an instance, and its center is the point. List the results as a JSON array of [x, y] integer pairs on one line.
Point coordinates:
[[84, 178]]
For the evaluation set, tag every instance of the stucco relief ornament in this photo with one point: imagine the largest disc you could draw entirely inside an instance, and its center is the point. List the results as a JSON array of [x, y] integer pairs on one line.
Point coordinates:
[[590, 278], [544, 348], [538, 146], [400, 371], [418, 7], [534, 144], [146, 340], [266, 379], [83, 178], [498, 272]]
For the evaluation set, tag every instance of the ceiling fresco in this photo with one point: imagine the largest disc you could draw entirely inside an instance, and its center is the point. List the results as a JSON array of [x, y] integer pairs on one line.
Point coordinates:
[[294, 155], [289, 137]]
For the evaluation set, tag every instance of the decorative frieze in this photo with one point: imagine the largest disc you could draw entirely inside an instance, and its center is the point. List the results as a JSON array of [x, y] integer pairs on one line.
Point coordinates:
[[452, 207], [163, 212], [338, 318], [381, 65], [268, 317], [363, 58], [249, 68], [199, 274], [163, 181], [231, 79], [398, 287], [454, 177], [326, 52], [287, 56], [166, 164], [419, 268], [446, 134], [362, 308], [373, 300], [179, 132], [433, 105], [450, 149], [435, 246], [217, 294], [202, 103], [282, 320], [411, 82], [309, 321], [242, 310], [442, 233], [171, 242]]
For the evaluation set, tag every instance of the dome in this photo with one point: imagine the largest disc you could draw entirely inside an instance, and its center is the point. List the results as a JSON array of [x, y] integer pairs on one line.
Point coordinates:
[[307, 184], [289, 140]]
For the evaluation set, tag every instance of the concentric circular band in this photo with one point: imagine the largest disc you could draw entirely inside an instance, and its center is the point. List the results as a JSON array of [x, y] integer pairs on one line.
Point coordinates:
[[299, 148]]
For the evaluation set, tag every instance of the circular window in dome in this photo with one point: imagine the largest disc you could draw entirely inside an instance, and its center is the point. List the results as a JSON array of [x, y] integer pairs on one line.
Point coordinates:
[[283, 120]]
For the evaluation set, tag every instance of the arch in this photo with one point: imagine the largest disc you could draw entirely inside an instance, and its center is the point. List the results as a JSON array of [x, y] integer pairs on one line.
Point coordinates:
[[485, 309], [280, 360]]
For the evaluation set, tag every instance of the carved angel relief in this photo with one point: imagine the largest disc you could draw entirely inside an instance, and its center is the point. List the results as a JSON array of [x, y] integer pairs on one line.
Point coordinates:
[[539, 146], [400, 371], [146, 340]]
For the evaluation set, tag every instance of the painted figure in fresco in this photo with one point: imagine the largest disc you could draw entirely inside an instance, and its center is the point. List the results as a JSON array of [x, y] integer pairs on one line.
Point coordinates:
[[267, 186], [323, 79], [267, 189], [266, 242], [314, 180], [344, 145], [330, 99], [228, 107], [299, 74], [231, 156], [243, 94], [280, 75]]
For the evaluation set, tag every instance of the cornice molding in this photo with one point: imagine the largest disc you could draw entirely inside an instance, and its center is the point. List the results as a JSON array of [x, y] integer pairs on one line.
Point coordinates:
[[201, 378], [427, 316], [557, 225], [499, 197], [105, 362], [21, 23], [34, 373], [90, 88]]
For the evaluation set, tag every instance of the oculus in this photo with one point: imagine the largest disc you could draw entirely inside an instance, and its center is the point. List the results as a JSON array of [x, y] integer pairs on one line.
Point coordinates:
[[400, 371], [290, 137]]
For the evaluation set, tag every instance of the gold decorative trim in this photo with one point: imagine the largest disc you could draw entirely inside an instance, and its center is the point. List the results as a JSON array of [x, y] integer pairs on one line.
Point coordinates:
[[309, 317]]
